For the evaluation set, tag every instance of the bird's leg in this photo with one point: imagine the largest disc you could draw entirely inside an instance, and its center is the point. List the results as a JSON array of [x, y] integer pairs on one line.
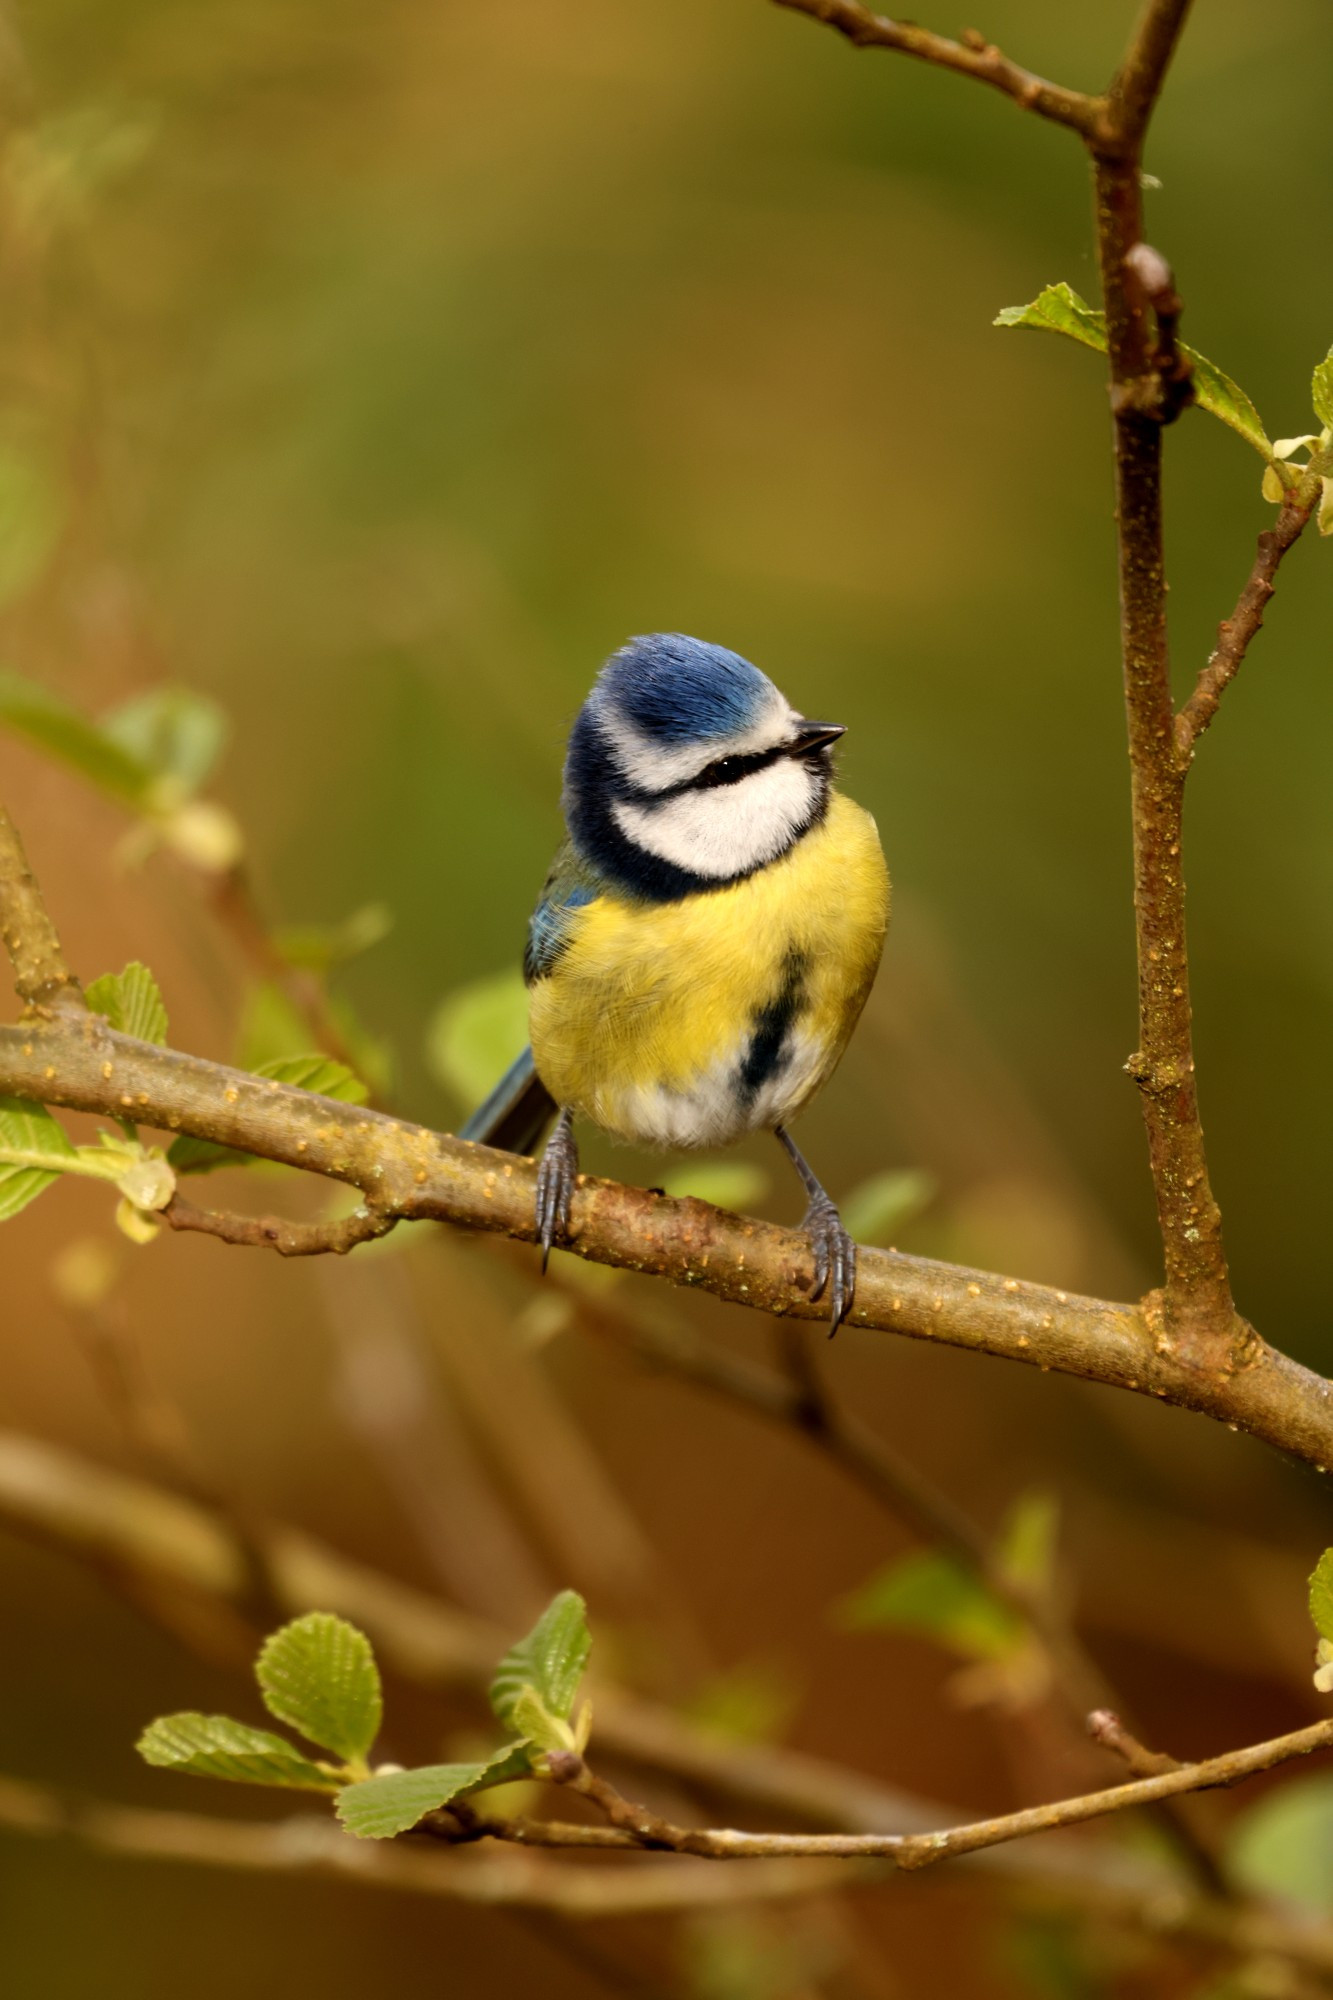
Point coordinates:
[[835, 1252], [555, 1183]]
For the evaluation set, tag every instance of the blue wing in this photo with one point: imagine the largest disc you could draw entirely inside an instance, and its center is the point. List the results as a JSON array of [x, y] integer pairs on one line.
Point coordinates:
[[570, 886], [520, 1107]]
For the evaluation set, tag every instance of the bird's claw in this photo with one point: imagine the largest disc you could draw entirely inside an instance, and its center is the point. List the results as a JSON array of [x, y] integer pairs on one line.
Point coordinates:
[[835, 1259], [556, 1176]]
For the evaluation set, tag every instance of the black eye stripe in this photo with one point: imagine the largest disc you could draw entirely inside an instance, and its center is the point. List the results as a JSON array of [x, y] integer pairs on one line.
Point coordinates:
[[730, 770]]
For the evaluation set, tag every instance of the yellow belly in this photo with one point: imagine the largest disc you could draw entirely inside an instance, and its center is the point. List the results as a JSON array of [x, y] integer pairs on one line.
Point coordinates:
[[691, 1023]]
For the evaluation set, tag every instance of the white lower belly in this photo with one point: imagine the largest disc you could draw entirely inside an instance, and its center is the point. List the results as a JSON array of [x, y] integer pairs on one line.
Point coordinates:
[[714, 1108]]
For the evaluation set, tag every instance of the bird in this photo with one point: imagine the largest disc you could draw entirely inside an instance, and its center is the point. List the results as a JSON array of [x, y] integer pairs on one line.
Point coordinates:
[[707, 935]]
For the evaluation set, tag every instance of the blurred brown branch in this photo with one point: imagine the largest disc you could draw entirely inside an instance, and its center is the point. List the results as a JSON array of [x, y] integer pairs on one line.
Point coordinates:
[[130, 1530], [303, 1845]]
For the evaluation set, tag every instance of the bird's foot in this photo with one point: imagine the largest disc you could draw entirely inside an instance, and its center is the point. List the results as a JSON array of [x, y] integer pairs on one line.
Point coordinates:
[[555, 1184], [835, 1258]]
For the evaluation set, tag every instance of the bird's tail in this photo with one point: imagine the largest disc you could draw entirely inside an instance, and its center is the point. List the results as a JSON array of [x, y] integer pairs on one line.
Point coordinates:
[[516, 1113]]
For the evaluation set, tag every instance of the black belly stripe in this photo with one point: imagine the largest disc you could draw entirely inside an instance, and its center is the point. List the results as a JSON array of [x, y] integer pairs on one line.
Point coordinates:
[[767, 1049]]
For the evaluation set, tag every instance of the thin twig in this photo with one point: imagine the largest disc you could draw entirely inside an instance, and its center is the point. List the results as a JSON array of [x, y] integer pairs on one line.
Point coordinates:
[[1106, 1728], [1235, 633], [1138, 82], [276, 1232], [41, 976], [634, 1825], [973, 56]]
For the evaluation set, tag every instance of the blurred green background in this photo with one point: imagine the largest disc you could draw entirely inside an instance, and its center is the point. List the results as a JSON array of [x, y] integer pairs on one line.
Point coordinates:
[[376, 373]]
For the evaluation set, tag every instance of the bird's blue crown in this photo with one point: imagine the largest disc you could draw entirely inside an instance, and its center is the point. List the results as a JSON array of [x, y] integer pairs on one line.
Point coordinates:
[[679, 690]]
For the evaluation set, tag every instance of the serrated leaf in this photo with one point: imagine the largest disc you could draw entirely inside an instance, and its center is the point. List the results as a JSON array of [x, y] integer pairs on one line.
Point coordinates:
[[1059, 309], [173, 731], [132, 1002], [30, 1130], [63, 733], [1321, 1596], [732, 1184], [1283, 1846], [378, 1808], [551, 1659], [880, 1206], [529, 1714], [319, 1674], [189, 1155], [19, 1186], [1321, 390], [1326, 507], [476, 1033], [933, 1594], [321, 1074], [213, 1746]]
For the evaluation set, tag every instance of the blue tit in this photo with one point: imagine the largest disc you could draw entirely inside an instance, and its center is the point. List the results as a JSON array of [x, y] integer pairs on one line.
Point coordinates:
[[707, 935]]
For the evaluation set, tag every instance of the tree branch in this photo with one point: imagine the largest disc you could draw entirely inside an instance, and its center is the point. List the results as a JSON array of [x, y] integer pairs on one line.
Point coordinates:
[[275, 1232], [1235, 633], [41, 975], [1138, 82], [407, 1171], [973, 56]]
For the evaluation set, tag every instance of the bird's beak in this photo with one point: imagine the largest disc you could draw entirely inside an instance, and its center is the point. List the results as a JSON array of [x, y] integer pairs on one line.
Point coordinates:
[[815, 736]]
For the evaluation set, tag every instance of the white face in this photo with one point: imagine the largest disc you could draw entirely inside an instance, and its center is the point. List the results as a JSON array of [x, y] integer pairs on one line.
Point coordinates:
[[727, 830]]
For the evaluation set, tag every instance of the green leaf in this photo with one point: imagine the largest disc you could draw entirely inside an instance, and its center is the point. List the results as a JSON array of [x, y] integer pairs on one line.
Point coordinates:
[[476, 1033], [1221, 397], [318, 947], [213, 1746], [1321, 390], [733, 1184], [935, 1595], [29, 1138], [377, 1808], [63, 733], [321, 1074], [1321, 1596], [880, 1206], [30, 517], [750, 1703], [1283, 1846], [550, 1660], [319, 1674], [132, 1002], [31, 1130], [176, 733], [1028, 1540], [1059, 309]]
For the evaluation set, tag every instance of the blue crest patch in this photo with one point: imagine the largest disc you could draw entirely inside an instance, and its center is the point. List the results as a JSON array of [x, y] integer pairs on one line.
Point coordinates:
[[681, 690]]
